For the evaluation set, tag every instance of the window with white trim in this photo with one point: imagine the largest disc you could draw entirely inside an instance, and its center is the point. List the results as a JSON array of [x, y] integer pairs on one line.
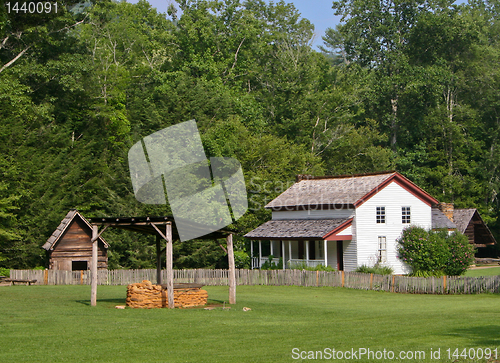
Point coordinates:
[[380, 214], [405, 215], [382, 249]]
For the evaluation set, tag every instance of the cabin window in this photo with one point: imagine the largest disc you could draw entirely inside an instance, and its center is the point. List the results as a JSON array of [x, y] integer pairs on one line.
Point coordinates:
[[406, 215], [382, 249], [79, 265], [380, 214]]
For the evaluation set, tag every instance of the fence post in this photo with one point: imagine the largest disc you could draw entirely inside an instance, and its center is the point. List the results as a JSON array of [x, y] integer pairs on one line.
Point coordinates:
[[392, 287], [371, 281], [444, 284], [343, 278], [45, 277]]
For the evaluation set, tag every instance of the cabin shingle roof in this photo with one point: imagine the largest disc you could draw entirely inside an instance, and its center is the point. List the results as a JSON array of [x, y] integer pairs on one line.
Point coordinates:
[[440, 221], [295, 228], [462, 217], [62, 228], [344, 190]]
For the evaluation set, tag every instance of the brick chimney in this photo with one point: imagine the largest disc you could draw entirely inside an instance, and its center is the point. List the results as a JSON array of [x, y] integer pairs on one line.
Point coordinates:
[[447, 209]]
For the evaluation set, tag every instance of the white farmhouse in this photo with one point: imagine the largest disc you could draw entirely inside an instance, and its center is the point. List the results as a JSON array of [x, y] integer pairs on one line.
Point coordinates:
[[345, 221]]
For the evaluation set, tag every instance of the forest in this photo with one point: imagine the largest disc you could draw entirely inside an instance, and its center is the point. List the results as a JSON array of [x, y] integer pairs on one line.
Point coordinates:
[[406, 85]]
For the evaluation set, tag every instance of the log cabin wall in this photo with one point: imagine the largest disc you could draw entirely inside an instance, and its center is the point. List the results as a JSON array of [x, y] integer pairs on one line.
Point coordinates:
[[73, 250]]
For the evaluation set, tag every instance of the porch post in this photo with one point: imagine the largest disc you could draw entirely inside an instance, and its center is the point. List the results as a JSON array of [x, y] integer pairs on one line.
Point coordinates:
[[307, 253], [325, 251], [290, 252], [260, 252], [93, 267], [251, 255], [283, 254], [271, 247]]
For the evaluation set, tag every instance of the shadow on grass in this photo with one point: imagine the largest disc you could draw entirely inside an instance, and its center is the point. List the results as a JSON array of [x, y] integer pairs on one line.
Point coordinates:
[[486, 336], [114, 301]]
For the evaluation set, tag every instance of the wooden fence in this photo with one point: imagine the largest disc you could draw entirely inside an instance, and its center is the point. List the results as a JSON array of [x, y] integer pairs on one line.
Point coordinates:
[[353, 280]]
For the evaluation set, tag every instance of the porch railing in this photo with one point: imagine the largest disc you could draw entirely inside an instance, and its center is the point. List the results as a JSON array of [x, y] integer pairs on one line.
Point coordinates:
[[293, 263]]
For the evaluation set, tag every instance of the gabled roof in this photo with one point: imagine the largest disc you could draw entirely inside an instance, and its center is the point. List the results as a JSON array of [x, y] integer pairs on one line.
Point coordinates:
[[296, 228], [63, 226], [462, 217], [440, 221], [478, 233], [344, 191]]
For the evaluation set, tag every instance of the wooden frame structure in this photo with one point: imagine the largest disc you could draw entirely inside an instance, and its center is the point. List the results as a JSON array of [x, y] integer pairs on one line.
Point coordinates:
[[161, 227]]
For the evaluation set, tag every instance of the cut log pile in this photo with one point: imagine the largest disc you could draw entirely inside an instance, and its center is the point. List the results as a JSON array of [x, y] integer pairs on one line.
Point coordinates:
[[145, 295]]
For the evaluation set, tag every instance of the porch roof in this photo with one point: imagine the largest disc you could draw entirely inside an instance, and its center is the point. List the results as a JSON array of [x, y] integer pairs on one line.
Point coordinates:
[[283, 229]]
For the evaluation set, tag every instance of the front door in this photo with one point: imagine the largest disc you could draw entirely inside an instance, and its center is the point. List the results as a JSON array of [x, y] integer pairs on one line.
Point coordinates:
[[340, 256]]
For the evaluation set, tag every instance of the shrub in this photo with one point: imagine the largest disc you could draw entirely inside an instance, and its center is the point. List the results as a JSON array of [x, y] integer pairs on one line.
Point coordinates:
[[4, 271], [241, 259], [461, 254], [271, 265], [303, 266], [377, 269], [431, 253]]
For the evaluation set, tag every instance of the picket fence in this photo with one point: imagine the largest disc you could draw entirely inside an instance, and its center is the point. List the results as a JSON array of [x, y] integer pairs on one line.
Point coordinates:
[[353, 280]]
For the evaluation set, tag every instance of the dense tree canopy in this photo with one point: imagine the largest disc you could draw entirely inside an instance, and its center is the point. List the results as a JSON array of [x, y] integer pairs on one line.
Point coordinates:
[[406, 85]]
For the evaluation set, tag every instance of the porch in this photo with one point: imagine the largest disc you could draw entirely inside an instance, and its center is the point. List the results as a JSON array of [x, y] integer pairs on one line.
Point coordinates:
[[301, 243], [297, 254]]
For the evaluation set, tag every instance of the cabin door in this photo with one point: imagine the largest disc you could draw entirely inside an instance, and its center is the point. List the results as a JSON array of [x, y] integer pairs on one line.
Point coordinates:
[[340, 256]]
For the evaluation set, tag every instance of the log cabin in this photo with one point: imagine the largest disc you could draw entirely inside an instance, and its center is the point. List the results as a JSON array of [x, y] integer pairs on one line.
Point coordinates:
[[70, 248]]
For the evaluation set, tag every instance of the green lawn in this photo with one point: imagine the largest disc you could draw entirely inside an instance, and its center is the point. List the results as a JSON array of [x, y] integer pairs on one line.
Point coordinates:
[[57, 324], [490, 271]]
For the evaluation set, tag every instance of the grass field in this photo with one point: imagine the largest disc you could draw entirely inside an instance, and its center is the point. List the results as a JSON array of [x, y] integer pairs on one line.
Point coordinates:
[[57, 324], [490, 271]]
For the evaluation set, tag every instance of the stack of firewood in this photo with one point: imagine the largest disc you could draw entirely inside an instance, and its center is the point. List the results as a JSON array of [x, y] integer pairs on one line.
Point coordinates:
[[147, 296]]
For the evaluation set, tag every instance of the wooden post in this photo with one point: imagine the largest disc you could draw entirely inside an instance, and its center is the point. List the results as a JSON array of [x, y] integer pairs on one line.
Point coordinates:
[[260, 253], [290, 253], [371, 281], [93, 276], [343, 278], [307, 253], [283, 254], [251, 254], [232, 272], [158, 259], [325, 248], [170, 273], [444, 284], [46, 277]]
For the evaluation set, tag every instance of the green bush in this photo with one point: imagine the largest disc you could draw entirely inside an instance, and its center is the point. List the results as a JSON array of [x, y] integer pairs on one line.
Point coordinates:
[[377, 269], [431, 253], [271, 265], [241, 259], [4, 272], [303, 266], [461, 254]]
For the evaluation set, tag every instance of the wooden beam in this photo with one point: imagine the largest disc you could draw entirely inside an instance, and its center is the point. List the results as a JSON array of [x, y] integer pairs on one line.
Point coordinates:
[[232, 271], [93, 275], [170, 274], [158, 259], [98, 234]]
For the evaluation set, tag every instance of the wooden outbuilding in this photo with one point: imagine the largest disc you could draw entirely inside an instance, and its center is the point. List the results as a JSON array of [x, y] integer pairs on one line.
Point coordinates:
[[70, 246]]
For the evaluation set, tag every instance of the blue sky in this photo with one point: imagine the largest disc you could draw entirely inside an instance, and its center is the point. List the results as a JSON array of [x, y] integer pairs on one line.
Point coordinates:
[[319, 12]]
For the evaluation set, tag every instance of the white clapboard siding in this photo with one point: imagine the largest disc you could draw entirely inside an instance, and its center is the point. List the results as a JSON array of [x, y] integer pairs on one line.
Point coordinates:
[[392, 197]]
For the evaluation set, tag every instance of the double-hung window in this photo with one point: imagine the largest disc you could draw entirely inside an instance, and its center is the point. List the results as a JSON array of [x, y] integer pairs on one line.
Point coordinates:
[[405, 215], [382, 249], [380, 215]]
